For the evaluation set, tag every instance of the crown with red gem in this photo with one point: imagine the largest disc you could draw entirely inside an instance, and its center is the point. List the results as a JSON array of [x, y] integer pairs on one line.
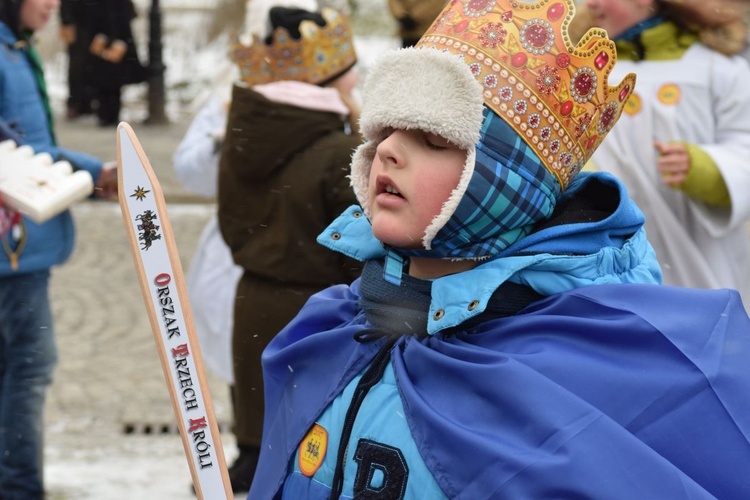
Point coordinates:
[[319, 55], [554, 94]]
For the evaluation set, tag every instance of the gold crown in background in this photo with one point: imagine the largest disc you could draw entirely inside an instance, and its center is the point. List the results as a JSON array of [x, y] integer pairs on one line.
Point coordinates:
[[319, 55], [553, 94]]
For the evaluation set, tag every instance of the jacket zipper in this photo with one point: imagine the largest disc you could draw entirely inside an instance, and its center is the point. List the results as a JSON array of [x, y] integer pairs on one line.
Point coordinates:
[[371, 377]]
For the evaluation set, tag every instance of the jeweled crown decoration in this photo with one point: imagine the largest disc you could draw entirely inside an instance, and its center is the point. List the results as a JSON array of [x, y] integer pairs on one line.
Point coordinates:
[[320, 54], [251, 60], [553, 94]]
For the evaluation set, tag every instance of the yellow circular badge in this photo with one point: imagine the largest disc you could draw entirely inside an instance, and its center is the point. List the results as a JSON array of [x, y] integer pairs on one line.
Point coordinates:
[[632, 105], [312, 450], [669, 94]]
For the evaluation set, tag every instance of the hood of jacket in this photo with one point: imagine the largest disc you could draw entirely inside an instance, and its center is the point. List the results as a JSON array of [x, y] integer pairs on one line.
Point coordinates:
[[568, 253], [258, 123]]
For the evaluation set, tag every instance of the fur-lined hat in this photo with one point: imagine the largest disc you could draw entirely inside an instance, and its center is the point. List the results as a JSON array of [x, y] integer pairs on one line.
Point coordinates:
[[501, 80]]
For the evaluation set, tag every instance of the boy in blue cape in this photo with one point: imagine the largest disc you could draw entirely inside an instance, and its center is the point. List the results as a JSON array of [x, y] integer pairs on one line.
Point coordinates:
[[509, 337]]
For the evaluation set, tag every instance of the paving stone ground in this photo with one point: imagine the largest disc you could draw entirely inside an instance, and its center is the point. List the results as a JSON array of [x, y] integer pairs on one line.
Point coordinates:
[[108, 413]]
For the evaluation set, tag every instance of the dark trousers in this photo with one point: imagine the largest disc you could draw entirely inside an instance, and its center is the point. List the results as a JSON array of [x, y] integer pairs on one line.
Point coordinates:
[[28, 355], [109, 105], [80, 91]]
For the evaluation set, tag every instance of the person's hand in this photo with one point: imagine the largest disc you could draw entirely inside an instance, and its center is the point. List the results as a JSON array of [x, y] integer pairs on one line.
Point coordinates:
[[105, 187], [115, 52], [673, 162], [68, 33], [98, 44]]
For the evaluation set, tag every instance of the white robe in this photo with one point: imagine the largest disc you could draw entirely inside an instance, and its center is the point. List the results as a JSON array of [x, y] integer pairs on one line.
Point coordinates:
[[212, 277], [698, 245]]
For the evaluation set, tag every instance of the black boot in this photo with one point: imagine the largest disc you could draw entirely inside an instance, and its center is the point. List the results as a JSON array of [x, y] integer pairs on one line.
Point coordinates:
[[241, 472]]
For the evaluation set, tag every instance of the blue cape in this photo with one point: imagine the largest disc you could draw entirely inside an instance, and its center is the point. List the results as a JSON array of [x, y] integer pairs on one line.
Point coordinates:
[[612, 391]]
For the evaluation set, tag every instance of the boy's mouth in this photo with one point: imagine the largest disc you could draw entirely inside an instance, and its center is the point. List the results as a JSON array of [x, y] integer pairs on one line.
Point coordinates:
[[392, 190], [386, 186]]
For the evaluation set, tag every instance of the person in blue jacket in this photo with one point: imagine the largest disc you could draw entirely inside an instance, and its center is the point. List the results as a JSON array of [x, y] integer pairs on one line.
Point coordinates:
[[509, 336], [27, 344]]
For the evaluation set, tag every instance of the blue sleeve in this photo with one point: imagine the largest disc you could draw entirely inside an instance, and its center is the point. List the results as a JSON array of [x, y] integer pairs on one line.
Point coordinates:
[[7, 132], [79, 160]]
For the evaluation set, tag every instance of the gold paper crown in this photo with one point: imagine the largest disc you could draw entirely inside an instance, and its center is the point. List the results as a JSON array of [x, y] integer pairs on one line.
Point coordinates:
[[554, 95], [319, 55]]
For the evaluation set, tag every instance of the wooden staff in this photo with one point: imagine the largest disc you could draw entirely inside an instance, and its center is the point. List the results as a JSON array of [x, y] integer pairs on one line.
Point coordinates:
[[163, 286]]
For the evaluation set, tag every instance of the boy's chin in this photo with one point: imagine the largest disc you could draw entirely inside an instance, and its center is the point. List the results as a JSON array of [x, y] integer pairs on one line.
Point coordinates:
[[401, 241], [392, 230]]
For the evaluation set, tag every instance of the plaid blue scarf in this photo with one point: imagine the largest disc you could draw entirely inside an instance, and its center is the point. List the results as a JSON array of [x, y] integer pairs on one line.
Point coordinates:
[[509, 191]]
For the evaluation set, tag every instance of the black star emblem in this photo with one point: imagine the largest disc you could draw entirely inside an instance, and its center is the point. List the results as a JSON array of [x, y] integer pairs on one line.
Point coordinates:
[[140, 193]]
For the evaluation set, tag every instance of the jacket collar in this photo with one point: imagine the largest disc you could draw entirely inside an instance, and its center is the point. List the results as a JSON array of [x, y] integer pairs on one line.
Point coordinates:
[[7, 37], [550, 261], [661, 41]]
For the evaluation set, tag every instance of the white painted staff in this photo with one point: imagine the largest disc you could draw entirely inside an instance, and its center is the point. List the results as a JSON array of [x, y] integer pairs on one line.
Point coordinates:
[[162, 283]]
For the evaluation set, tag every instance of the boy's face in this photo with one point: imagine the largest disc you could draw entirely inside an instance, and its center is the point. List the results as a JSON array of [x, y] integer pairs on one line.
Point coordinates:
[[616, 16], [412, 175], [35, 14]]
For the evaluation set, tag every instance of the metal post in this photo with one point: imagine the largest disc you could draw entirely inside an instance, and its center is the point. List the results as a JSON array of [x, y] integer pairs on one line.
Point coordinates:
[[156, 91]]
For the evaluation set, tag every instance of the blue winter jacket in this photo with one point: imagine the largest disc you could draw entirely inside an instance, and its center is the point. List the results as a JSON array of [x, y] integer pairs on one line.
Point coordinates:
[[22, 111], [609, 387]]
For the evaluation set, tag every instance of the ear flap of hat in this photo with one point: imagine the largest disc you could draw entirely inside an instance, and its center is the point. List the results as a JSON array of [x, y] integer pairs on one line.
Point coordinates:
[[360, 173]]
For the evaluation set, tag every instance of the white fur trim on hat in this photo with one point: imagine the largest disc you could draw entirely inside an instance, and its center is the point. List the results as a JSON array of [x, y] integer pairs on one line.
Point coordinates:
[[423, 89], [419, 89]]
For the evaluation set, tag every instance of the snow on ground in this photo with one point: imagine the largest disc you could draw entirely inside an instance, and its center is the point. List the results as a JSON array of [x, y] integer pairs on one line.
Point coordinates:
[[132, 468]]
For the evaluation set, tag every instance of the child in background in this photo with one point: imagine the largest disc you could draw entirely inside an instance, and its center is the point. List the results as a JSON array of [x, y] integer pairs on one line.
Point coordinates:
[[212, 277], [28, 351], [683, 144], [282, 180], [508, 337]]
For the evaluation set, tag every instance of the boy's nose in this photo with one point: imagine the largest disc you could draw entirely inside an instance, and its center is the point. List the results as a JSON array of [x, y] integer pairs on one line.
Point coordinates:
[[392, 149]]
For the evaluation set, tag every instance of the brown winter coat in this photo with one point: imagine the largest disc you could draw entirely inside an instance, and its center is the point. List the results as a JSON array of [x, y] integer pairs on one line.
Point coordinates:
[[282, 180]]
